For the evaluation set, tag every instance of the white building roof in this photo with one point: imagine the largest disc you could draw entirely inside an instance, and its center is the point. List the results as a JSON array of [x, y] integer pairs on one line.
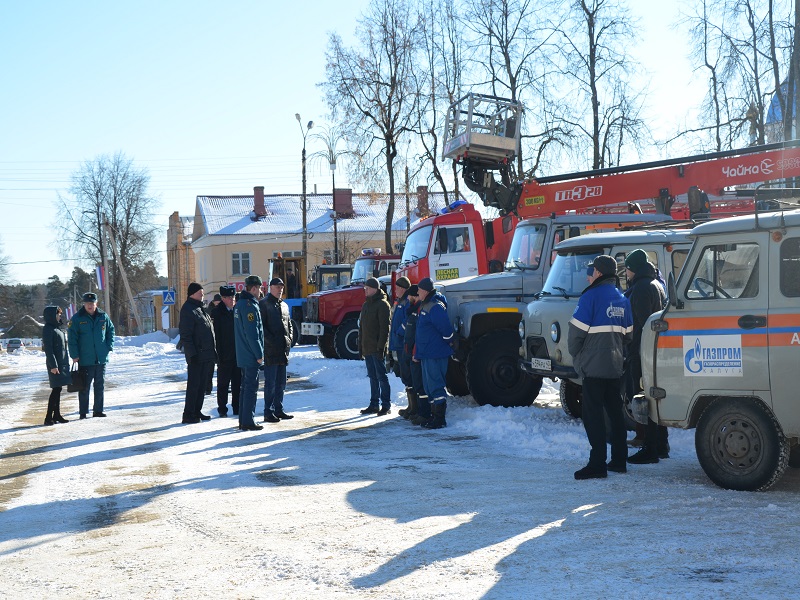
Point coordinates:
[[231, 215]]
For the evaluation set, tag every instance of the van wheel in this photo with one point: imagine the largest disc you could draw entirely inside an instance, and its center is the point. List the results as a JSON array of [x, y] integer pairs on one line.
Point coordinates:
[[457, 378], [571, 395], [326, 345], [493, 373], [345, 340], [740, 445]]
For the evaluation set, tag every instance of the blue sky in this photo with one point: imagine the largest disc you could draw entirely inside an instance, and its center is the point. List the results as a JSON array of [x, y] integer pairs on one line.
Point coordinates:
[[202, 94]]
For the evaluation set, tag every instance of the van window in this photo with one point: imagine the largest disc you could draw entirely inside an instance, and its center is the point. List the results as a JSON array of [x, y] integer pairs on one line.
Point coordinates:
[[790, 267], [620, 258], [451, 240], [678, 260], [725, 271]]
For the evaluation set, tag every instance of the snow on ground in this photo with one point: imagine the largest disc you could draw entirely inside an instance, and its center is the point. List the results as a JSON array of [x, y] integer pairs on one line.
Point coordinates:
[[333, 504]]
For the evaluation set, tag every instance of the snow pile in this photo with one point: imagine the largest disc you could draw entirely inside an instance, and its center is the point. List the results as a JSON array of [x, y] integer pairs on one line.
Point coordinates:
[[141, 340]]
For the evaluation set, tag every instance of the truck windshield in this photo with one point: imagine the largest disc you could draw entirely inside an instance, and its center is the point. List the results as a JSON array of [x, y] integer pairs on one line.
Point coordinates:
[[416, 245], [362, 270], [569, 275], [526, 247]]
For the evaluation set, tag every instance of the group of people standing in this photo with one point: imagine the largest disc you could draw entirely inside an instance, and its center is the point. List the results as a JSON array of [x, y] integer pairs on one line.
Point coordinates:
[[243, 334], [88, 339], [604, 340], [419, 339]]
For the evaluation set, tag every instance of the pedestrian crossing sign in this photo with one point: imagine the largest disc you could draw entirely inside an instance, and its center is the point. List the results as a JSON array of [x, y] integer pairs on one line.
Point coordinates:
[[168, 298]]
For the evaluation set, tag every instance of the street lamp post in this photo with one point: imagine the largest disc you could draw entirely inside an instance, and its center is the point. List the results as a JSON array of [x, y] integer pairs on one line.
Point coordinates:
[[335, 214], [305, 205]]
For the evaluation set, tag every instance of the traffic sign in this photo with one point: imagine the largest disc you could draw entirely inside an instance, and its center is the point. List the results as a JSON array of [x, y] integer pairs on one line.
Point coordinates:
[[168, 298]]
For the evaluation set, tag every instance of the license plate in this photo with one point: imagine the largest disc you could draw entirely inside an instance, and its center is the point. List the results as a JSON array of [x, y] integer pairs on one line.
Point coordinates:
[[542, 364], [316, 329]]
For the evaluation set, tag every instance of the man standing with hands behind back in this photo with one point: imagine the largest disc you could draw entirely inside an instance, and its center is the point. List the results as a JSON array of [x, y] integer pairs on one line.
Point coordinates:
[[90, 339], [229, 375]]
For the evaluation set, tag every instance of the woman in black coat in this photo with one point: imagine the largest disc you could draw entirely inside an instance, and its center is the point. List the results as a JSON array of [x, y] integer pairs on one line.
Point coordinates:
[[54, 345]]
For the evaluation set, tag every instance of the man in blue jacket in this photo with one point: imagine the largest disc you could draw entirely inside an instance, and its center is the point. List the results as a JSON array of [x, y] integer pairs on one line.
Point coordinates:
[[435, 342], [249, 335], [91, 338], [600, 328]]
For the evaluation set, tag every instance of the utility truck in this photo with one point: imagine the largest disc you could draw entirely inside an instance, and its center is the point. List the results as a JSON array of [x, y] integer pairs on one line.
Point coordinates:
[[537, 214]]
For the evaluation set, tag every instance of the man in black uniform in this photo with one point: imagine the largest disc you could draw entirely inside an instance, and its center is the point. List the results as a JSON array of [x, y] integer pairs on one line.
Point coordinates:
[[197, 335], [228, 372], [277, 344]]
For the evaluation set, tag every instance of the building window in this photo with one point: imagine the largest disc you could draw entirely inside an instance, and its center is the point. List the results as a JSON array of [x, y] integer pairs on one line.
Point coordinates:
[[241, 263]]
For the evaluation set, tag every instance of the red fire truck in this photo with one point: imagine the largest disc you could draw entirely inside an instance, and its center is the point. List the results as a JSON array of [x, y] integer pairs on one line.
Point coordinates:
[[332, 316]]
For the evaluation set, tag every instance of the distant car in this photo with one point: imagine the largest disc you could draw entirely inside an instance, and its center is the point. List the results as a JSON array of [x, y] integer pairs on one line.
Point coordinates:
[[14, 344]]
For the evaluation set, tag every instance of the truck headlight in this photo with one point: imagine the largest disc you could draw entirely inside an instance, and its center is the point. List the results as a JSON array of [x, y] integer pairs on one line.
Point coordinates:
[[521, 330], [555, 332]]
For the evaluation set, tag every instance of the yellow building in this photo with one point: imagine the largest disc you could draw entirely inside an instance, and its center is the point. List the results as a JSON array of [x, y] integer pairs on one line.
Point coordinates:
[[235, 236]]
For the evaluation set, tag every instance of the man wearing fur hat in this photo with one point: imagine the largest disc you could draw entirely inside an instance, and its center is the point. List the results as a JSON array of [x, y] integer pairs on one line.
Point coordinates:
[[646, 296], [373, 340]]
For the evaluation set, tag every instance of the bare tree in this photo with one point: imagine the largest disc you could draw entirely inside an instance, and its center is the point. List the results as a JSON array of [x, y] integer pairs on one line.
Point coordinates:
[[5, 270], [511, 43], [746, 46], [109, 189], [367, 88], [596, 68]]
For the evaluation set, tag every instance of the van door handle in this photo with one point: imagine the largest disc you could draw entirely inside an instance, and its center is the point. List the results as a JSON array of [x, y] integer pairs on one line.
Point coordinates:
[[752, 321]]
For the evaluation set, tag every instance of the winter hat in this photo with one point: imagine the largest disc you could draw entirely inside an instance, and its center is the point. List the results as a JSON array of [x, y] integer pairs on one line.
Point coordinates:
[[253, 280], [89, 297], [403, 282], [605, 264], [194, 287], [276, 281], [217, 298], [426, 284], [373, 283], [636, 260], [413, 290], [227, 291]]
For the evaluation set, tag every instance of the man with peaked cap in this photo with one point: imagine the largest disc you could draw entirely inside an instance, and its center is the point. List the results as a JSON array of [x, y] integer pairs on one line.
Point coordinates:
[[229, 375], [249, 336], [90, 340], [277, 345], [600, 328]]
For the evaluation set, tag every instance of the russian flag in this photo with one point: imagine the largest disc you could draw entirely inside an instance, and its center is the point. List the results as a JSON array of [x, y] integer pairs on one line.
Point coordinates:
[[101, 277]]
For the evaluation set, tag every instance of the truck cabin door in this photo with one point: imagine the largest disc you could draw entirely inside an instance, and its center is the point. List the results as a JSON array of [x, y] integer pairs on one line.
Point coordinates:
[[453, 253], [717, 343], [784, 330]]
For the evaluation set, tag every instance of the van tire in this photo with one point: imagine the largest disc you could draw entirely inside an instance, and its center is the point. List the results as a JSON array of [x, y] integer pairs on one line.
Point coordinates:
[[295, 332], [493, 373], [571, 395], [457, 378], [345, 340], [326, 345], [740, 444]]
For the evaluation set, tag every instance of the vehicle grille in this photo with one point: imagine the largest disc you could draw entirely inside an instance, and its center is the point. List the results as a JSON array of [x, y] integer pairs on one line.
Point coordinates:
[[311, 310], [537, 348]]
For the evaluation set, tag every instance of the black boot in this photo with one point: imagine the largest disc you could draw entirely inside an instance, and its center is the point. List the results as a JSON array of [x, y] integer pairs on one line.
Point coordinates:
[[437, 422], [662, 444], [649, 453], [423, 410], [412, 404], [51, 404]]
